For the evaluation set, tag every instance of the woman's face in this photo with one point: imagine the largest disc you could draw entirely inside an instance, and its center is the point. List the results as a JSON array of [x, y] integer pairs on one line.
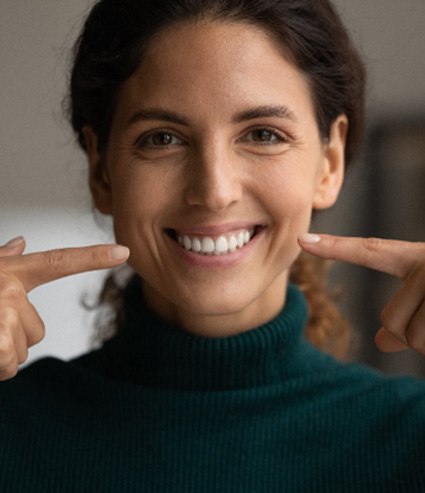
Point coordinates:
[[213, 167]]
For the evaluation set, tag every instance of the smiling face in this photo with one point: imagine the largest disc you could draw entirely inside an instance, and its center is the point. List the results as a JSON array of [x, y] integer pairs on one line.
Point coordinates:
[[213, 167]]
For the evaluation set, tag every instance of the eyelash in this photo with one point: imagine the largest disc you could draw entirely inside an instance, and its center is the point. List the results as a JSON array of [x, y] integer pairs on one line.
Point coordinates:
[[143, 141], [277, 138]]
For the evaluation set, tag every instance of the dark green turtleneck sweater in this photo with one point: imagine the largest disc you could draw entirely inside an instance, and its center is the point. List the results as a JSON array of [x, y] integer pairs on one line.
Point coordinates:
[[158, 410]]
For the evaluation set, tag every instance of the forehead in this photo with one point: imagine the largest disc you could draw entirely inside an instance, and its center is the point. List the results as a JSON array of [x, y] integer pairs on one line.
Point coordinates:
[[218, 40], [223, 64]]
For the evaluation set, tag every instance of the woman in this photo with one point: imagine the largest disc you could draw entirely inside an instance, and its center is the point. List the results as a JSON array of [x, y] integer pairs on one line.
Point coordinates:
[[213, 130]]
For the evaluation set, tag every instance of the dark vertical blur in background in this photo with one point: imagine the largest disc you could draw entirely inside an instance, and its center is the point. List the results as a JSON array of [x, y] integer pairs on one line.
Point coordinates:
[[384, 194], [390, 203]]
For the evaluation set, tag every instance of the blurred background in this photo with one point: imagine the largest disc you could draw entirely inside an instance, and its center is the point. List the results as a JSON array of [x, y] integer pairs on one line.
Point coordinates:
[[43, 192]]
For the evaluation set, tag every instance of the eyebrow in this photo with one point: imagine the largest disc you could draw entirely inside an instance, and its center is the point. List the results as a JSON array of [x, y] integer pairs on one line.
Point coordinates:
[[267, 111], [157, 114]]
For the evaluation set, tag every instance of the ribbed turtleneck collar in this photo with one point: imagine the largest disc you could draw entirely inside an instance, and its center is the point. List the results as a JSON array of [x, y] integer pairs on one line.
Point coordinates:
[[152, 352]]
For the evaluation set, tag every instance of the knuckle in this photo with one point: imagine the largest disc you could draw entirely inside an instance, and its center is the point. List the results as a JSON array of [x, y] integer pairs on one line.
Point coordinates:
[[56, 259], [23, 355], [7, 350], [36, 335], [372, 244], [10, 289], [9, 318], [8, 372]]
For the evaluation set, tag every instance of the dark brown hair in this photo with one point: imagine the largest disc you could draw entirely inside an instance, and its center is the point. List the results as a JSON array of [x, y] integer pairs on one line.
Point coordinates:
[[311, 35]]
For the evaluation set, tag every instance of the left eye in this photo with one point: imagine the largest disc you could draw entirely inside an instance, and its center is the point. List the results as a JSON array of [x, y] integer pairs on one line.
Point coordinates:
[[264, 136], [159, 139]]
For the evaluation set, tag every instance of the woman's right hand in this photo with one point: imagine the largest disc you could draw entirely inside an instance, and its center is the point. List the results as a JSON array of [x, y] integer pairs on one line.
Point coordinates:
[[20, 325]]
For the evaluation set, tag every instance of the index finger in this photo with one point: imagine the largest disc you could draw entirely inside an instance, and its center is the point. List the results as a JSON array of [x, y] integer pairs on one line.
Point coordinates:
[[390, 256], [40, 268]]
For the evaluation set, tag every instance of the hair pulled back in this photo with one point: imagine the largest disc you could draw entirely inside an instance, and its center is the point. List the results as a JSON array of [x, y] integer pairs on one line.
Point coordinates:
[[311, 35]]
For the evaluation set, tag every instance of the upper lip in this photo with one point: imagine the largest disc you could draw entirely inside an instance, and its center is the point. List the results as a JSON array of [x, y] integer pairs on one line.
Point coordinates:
[[215, 229]]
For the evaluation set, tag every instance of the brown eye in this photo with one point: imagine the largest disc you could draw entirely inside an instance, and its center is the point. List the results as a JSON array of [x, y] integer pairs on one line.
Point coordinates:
[[159, 139], [264, 136], [162, 139]]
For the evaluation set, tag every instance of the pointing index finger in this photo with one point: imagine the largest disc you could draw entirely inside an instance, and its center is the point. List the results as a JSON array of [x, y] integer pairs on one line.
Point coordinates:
[[390, 256], [36, 269]]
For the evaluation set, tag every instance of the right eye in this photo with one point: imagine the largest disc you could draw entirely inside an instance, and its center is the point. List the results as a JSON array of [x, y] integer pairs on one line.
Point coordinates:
[[159, 139]]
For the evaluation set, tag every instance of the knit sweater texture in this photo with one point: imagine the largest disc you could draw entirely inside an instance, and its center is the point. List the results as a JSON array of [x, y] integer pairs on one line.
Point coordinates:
[[159, 410]]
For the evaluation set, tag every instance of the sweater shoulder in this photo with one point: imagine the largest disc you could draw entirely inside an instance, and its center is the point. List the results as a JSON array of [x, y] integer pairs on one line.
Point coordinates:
[[44, 380], [50, 379], [47, 368], [367, 387]]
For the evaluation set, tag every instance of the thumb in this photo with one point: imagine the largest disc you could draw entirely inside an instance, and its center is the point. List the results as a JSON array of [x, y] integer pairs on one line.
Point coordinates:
[[16, 246]]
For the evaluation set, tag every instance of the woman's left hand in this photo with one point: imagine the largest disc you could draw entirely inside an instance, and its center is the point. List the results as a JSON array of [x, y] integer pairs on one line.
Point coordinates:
[[403, 317]]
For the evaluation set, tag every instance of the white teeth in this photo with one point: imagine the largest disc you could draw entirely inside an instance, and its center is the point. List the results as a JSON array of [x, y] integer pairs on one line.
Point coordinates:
[[196, 245], [233, 243], [220, 246], [187, 242], [208, 245]]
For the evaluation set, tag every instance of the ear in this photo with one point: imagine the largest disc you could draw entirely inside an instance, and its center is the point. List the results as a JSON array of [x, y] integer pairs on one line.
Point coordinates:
[[98, 174], [331, 175]]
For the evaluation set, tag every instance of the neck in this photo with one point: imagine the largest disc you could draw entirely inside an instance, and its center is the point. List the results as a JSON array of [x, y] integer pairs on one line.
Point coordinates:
[[151, 351], [221, 321]]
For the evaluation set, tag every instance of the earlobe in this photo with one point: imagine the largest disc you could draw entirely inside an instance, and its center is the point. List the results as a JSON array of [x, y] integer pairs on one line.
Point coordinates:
[[331, 176], [98, 174]]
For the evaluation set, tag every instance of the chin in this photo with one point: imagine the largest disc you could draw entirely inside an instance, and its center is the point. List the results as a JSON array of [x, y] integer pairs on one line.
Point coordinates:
[[210, 303]]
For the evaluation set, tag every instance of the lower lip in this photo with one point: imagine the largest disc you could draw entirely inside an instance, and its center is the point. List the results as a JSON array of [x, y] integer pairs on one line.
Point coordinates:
[[215, 261]]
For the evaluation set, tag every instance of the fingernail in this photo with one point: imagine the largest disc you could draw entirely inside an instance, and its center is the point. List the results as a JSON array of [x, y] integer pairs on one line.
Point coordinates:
[[14, 242], [310, 238], [119, 252]]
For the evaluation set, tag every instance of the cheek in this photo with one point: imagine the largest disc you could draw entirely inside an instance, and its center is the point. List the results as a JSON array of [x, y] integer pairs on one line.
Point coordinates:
[[290, 204], [138, 202], [290, 196]]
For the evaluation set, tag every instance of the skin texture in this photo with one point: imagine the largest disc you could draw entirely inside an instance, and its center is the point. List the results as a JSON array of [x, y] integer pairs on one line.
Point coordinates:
[[216, 174]]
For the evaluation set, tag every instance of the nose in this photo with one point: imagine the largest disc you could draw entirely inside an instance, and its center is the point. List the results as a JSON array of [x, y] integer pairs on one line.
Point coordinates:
[[215, 181]]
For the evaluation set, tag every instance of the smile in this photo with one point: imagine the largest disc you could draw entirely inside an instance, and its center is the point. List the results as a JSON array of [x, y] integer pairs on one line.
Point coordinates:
[[221, 245]]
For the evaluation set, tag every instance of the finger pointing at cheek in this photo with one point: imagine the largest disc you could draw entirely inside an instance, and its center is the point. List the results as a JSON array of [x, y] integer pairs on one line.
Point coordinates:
[[20, 324], [39, 268], [403, 318], [393, 257]]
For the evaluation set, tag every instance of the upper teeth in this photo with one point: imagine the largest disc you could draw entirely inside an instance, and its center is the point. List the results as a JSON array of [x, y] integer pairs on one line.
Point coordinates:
[[206, 245]]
